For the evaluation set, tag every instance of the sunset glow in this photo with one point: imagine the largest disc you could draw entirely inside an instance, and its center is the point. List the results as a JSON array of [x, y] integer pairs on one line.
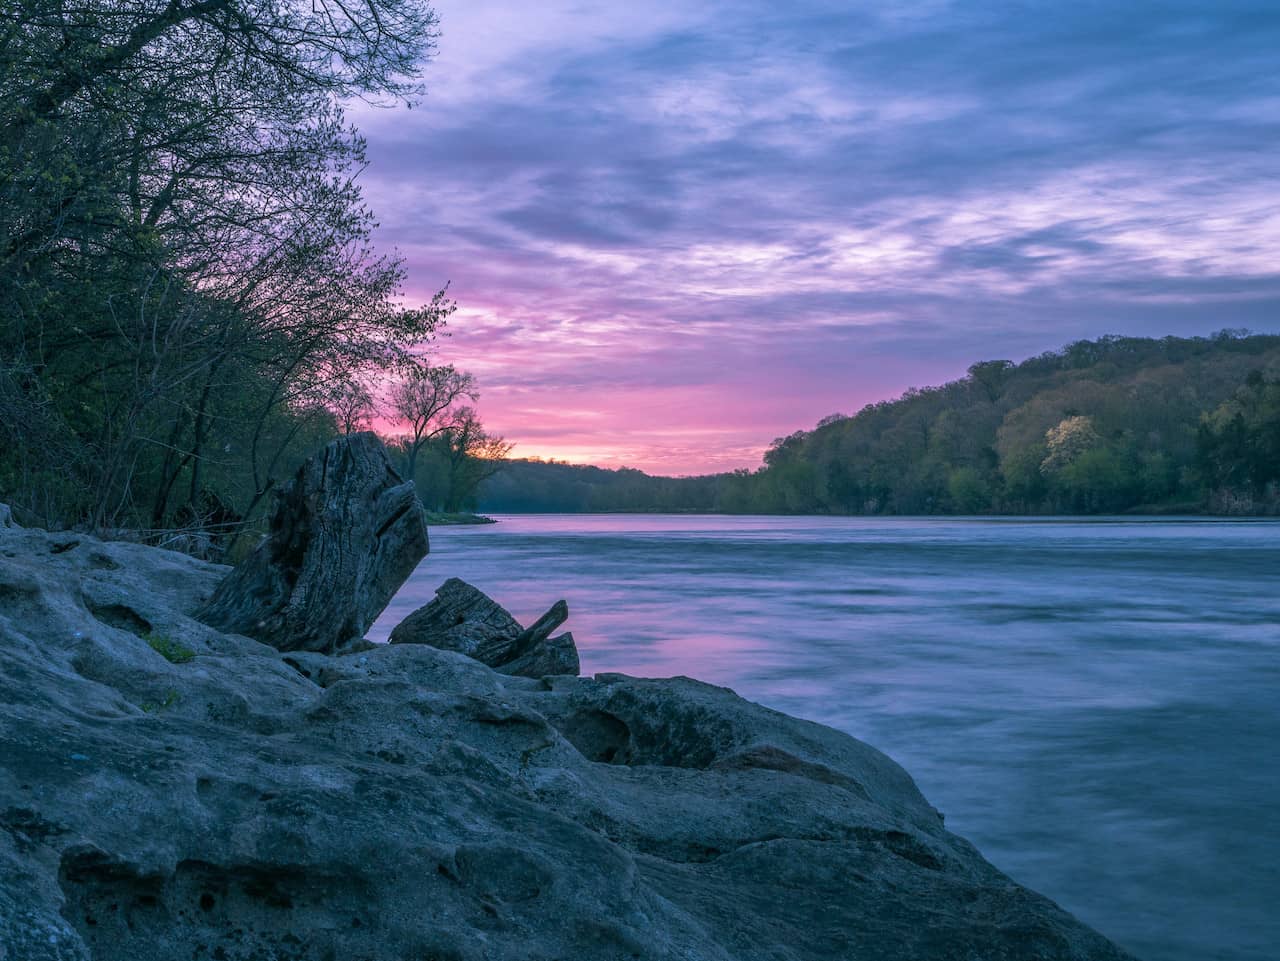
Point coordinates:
[[674, 236]]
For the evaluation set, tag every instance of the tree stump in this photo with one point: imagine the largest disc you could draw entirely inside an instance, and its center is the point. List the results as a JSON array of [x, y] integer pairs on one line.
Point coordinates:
[[463, 618], [345, 533]]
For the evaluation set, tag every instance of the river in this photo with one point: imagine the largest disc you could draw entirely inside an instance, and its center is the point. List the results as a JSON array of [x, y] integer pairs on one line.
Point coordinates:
[[1093, 703]]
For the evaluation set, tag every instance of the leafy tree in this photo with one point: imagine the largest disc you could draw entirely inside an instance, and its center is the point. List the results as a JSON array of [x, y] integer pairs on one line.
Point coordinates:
[[1066, 442], [185, 257], [1116, 424], [1238, 442], [969, 491], [991, 376], [473, 455]]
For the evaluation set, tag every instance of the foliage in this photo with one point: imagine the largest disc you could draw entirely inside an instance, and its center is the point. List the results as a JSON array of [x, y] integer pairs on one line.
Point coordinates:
[[1071, 439], [175, 652], [538, 486], [168, 700], [451, 463], [1113, 425], [187, 277], [1238, 445]]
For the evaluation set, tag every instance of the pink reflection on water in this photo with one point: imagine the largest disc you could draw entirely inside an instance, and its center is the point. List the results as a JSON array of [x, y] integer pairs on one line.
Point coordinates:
[[1072, 693]]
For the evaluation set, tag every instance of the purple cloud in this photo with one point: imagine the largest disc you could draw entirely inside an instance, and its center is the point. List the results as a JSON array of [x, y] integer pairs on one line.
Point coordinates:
[[677, 233]]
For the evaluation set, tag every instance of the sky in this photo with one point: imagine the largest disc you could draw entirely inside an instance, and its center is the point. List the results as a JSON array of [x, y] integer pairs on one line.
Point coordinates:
[[678, 230]]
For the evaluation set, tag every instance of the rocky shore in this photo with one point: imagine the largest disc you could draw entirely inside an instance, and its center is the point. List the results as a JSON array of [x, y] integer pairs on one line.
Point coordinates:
[[199, 763]]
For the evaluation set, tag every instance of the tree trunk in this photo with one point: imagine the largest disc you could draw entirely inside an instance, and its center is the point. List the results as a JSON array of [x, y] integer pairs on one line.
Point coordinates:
[[345, 533]]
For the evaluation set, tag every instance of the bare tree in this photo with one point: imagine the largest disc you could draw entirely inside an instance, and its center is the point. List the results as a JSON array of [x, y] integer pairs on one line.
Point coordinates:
[[426, 398], [352, 403]]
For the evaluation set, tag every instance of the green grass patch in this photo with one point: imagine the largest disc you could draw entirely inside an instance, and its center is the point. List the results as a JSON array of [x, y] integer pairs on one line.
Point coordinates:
[[175, 652], [170, 698]]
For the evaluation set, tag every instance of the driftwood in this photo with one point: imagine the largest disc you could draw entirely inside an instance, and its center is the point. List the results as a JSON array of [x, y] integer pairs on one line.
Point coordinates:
[[345, 534], [552, 655], [463, 618]]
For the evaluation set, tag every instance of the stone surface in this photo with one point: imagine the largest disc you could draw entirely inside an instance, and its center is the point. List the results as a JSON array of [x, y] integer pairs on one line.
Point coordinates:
[[6, 516], [344, 535], [410, 802]]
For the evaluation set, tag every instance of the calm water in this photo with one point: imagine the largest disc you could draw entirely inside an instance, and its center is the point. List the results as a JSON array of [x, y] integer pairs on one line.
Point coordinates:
[[1094, 704]]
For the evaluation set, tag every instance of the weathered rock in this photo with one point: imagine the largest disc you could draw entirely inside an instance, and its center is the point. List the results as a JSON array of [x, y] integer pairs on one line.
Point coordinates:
[[226, 800], [551, 655], [462, 618], [6, 516], [345, 533]]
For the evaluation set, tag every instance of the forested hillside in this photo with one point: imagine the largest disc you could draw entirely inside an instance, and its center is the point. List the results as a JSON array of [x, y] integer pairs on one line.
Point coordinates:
[[1113, 425], [537, 486]]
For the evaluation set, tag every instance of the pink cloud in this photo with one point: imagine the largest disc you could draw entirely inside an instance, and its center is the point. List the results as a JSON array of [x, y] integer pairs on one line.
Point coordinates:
[[672, 242]]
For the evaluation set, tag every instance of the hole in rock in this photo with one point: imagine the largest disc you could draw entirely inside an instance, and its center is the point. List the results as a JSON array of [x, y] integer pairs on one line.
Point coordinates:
[[106, 897], [16, 593], [123, 910], [598, 736], [122, 618]]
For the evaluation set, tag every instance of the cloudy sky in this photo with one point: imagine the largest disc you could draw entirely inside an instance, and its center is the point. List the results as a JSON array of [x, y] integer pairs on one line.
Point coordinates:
[[676, 230]]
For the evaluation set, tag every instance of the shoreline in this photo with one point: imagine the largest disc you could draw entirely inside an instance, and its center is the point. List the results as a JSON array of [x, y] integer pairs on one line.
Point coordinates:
[[497, 515], [446, 519], [601, 817]]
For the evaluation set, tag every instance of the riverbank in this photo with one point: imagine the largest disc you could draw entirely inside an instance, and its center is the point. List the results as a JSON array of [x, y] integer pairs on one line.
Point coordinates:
[[1090, 700], [168, 787], [443, 519]]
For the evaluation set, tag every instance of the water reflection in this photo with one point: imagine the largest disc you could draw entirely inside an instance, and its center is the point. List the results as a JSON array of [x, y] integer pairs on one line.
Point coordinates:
[[1092, 703]]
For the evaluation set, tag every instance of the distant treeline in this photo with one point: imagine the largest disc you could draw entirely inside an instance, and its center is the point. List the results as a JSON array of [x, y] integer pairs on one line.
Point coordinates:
[[552, 487], [1108, 426]]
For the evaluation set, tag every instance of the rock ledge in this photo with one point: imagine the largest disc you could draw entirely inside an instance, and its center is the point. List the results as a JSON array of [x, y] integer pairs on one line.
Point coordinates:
[[169, 791]]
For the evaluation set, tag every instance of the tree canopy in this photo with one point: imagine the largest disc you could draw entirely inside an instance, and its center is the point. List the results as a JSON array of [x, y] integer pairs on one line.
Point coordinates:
[[187, 277], [1112, 425]]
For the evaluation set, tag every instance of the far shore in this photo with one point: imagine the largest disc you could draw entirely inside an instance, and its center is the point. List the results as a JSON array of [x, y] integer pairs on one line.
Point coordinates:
[[440, 519], [1125, 516]]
